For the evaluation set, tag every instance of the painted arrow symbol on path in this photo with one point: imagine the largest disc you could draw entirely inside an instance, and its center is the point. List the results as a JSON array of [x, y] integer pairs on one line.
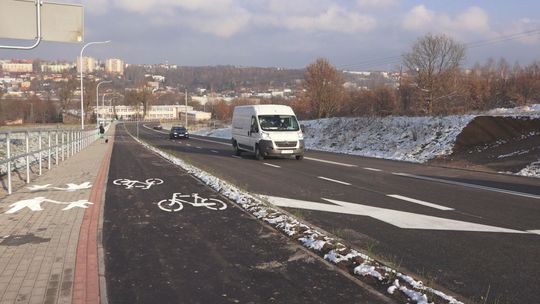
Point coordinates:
[[401, 219]]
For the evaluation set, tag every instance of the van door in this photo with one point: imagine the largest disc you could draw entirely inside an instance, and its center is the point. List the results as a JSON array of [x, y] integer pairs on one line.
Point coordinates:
[[253, 133]]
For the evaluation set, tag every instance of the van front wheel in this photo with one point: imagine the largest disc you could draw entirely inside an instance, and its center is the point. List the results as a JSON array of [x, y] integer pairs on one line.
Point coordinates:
[[237, 151], [258, 154], [299, 157]]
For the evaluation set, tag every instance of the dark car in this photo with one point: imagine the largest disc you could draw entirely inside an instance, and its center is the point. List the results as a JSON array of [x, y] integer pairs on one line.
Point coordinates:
[[178, 132], [158, 127]]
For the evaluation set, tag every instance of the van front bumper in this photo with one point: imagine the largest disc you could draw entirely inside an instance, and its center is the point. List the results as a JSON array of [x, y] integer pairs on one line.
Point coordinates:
[[268, 149]]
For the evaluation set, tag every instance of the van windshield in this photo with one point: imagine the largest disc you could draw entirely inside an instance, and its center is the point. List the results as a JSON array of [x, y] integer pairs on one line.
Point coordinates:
[[278, 123]]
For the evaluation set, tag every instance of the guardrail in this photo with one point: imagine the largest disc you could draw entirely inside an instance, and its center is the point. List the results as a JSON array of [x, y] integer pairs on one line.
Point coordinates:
[[22, 148]]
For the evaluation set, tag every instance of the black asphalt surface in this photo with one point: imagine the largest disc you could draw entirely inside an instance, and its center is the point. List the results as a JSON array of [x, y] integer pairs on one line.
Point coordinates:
[[504, 267], [198, 255]]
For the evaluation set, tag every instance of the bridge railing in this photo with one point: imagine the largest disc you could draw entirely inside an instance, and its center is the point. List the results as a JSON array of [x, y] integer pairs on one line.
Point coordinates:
[[21, 149]]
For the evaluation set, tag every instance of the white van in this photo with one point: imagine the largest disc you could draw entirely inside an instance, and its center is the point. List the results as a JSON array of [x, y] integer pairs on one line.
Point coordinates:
[[267, 130]]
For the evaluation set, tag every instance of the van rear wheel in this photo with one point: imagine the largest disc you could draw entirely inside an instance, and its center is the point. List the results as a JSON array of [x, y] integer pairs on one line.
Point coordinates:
[[258, 154]]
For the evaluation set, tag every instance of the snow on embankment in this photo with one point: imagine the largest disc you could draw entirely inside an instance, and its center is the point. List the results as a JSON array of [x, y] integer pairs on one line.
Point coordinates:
[[413, 139]]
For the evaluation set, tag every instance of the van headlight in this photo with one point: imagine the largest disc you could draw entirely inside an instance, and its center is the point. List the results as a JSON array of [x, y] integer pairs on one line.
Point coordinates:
[[265, 136], [300, 136]]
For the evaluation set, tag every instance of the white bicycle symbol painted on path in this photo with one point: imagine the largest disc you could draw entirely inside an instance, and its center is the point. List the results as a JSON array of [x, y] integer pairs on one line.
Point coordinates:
[[176, 203], [130, 184]]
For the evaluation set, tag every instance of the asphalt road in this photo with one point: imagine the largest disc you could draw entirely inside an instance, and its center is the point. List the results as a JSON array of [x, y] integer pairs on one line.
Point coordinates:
[[198, 254], [476, 234]]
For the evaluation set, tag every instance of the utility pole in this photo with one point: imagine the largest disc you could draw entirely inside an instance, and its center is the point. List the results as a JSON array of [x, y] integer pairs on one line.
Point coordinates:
[[185, 109]]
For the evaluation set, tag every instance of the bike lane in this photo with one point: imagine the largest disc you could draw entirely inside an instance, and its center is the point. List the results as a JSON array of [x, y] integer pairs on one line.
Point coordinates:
[[204, 253]]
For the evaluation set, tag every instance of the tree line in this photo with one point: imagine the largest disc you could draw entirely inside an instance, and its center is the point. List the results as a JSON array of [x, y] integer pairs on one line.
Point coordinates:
[[432, 83]]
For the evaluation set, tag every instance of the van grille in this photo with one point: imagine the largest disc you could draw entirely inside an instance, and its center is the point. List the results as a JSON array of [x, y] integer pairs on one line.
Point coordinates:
[[286, 144]]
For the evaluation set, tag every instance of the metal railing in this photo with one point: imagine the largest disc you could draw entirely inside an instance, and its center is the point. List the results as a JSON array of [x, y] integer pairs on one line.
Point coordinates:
[[24, 148]]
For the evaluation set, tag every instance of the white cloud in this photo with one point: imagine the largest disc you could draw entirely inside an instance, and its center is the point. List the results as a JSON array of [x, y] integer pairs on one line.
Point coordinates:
[[333, 19], [226, 18], [529, 29], [376, 3], [418, 18], [472, 20]]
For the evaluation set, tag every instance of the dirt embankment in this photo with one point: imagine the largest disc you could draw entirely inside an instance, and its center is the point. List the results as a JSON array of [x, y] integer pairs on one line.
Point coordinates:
[[500, 144]]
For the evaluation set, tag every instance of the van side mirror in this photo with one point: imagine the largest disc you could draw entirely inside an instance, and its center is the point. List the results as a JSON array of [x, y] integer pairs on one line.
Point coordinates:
[[254, 129], [303, 128]]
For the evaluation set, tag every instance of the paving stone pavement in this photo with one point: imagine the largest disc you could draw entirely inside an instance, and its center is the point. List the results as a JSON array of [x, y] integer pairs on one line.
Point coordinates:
[[38, 248]]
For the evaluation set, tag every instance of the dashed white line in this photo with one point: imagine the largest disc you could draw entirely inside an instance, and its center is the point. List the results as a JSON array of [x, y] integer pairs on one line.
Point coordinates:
[[534, 231], [214, 151], [372, 169], [333, 180], [236, 156], [198, 147], [329, 162], [189, 145], [469, 185], [419, 202], [271, 165]]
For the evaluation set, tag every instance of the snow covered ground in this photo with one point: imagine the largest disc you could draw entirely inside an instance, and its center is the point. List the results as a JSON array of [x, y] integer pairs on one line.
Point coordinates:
[[531, 110], [412, 139]]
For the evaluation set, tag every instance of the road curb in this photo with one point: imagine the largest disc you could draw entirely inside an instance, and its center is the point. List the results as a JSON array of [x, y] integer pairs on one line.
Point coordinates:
[[87, 281]]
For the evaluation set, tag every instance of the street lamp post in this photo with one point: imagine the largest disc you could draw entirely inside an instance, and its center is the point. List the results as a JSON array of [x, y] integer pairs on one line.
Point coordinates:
[[82, 85], [97, 99], [110, 104]]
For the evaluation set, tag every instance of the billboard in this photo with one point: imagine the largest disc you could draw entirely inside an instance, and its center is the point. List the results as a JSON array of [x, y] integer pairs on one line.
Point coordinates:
[[59, 22]]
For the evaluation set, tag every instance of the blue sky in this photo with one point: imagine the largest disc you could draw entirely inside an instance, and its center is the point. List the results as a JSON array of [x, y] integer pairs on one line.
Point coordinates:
[[353, 34]]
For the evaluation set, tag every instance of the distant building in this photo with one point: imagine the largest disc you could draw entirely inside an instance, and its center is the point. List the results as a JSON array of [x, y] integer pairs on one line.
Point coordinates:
[[153, 85], [56, 68], [89, 64], [153, 112], [114, 66], [196, 116], [18, 67]]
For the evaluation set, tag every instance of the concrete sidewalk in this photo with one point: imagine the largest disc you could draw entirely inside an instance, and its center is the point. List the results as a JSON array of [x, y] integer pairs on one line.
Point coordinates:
[[48, 232]]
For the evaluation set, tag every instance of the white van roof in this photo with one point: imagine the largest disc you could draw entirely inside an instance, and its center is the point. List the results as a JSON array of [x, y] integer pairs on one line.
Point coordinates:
[[268, 109]]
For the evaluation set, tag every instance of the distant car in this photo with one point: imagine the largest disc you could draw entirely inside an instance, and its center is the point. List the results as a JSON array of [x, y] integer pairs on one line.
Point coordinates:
[[179, 132], [158, 127]]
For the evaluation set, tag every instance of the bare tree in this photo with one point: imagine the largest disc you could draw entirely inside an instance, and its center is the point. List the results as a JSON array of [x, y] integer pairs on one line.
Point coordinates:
[[434, 62], [142, 96], [66, 91], [324, 88]]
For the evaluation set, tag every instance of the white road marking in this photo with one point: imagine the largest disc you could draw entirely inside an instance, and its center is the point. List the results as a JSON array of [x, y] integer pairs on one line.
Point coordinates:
[[189, 145], [70, 187], [34, 204], [534, 231], [372, 169], [198, 147], [213, 141], [333, 180], [329, 162], [271, 165], [469, 185], [236, 156], [401, 219], [419, 202], [214, 151]]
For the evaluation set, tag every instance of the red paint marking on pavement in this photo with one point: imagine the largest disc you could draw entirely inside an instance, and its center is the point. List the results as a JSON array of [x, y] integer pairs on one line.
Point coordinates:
[[86, 283]]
